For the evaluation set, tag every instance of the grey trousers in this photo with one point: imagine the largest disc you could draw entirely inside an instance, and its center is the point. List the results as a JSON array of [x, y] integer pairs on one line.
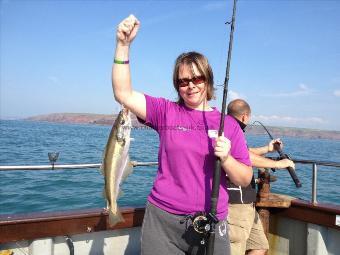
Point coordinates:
[[166, 233]]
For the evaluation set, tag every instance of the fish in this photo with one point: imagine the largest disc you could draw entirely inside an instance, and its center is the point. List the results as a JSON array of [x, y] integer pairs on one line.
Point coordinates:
[[116, 165]]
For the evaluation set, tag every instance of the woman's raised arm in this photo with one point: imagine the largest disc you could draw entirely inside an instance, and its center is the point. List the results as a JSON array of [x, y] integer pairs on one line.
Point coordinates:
[[121, 78]]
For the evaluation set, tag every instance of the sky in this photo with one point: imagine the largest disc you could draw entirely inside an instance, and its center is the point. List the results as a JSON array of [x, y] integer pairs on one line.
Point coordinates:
[[56, 56]]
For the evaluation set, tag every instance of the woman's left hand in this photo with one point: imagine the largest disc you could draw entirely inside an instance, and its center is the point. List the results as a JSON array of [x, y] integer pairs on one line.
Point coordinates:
[[222, 148]]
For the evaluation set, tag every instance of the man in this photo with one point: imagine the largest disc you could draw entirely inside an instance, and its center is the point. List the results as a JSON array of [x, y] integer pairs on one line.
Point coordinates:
[[245, 228]]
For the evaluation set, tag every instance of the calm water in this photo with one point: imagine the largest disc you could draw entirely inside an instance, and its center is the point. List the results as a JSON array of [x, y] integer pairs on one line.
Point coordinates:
[[24, 143]]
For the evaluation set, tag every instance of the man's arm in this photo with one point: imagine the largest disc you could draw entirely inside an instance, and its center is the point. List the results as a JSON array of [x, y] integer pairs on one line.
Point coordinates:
[[262, 162], [267, 148]]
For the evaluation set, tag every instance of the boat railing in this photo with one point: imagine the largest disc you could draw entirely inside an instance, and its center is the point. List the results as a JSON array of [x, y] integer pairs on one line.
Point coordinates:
[[68, 166], [54, 166], [315, 165]]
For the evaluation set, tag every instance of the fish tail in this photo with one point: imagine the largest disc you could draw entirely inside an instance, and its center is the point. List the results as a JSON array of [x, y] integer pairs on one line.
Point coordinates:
[[115, 218]]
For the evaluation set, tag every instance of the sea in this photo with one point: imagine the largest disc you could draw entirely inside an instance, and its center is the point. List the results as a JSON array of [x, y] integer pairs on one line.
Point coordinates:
[[28, 143]]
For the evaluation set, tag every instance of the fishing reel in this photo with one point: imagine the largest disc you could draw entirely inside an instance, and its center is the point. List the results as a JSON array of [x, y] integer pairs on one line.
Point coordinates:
[[203, 224]]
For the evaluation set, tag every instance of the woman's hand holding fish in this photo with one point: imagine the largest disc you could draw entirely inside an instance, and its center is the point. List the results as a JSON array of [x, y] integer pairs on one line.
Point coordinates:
[[222, 148], [127, 30], [121, 77]]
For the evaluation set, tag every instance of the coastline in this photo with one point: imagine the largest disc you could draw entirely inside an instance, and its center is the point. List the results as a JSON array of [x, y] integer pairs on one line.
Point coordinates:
[[108, 119]]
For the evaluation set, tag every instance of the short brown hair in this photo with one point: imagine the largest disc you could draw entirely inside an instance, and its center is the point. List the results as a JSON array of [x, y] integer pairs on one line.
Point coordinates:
[[203, 66], [238, 107]]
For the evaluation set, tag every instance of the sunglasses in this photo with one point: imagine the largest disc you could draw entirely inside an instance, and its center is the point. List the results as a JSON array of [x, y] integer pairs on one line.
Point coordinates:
[[195, 80]]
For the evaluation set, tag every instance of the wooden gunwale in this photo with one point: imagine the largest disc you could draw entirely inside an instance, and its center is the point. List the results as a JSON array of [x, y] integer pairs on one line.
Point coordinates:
[[319, 214], [41, 225]]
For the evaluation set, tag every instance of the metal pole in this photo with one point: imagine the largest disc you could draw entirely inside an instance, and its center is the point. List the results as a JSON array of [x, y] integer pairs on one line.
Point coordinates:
[[315, 176], [49, 167], [68, 166]]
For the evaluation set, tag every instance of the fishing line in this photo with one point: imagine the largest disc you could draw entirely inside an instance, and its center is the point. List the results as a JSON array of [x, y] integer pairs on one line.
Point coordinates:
[[282, 156], [256, 121]]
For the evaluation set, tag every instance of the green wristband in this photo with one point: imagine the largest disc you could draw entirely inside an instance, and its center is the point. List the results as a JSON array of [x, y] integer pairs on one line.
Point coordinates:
[[122, 62]]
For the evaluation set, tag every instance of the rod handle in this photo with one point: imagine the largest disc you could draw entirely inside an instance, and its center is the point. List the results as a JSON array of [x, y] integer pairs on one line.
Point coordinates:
[[294, 177], [290, 169]]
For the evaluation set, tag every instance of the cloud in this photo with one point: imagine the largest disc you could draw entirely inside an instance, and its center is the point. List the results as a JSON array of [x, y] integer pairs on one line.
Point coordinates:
[[232, 95], [303, 87], [302, 90], [336, 93], [288, 120]]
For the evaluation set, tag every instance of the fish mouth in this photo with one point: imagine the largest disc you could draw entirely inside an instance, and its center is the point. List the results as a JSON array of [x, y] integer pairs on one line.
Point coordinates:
[[124, 116], [126, 111]]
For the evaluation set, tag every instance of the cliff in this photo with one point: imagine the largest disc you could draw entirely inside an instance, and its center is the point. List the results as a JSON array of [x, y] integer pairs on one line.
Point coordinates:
[[80, 118]]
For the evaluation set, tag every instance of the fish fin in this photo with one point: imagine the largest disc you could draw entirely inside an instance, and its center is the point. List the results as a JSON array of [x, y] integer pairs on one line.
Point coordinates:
[[115, 218], [128, 169]]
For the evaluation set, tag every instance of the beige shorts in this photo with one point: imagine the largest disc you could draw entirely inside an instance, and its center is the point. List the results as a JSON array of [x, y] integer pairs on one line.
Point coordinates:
[[245, 229]]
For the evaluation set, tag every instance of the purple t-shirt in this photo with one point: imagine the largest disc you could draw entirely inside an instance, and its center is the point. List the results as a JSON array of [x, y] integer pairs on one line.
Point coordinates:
[[186, 156]]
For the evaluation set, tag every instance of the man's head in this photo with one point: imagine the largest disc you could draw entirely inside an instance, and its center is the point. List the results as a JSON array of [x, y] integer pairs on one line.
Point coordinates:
[[240, 109]]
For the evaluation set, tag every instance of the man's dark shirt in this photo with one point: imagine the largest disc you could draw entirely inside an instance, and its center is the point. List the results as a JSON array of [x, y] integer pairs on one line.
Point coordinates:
[[237, 194]]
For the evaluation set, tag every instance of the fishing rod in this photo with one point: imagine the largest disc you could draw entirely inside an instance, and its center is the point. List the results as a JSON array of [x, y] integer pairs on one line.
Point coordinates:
[[217, 172], [282, 156]]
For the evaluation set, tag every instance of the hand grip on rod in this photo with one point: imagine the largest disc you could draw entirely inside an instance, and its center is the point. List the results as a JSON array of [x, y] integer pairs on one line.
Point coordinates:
[[290, 169]]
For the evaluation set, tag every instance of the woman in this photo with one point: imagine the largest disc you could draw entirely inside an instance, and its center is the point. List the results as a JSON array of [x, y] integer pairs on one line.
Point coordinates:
[[188, 146]]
